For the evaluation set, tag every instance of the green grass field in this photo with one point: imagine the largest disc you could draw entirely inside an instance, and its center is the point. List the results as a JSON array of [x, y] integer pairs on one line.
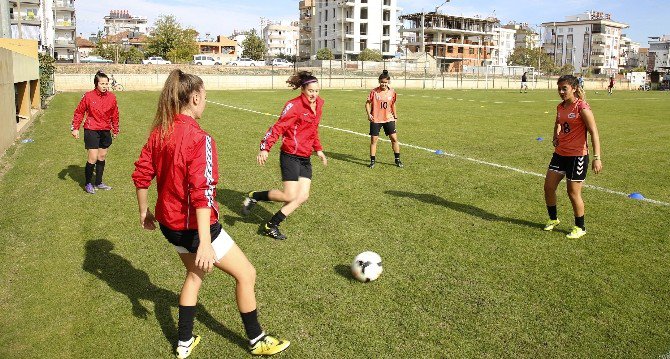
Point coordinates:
[[468, 270]]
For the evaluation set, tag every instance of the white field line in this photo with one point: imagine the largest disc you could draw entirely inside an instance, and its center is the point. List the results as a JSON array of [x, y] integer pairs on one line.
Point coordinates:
[[453, 155]]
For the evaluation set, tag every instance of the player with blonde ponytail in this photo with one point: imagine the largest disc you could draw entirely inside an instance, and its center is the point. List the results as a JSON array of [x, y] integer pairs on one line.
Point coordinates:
[[183, 159]]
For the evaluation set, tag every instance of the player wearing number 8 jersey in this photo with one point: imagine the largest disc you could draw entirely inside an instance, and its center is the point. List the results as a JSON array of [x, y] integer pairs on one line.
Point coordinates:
[[381, 110], [571, 155]]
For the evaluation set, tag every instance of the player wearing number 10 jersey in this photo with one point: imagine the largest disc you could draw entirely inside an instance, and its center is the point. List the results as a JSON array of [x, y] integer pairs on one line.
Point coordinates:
[[381, 110], [571, 155]]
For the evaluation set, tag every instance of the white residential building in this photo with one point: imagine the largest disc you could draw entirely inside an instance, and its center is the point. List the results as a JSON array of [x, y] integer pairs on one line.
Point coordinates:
[[51, 22], [350, 26], [659, 46], [505, 42], [281, 38], [628, 53], [239, 37], [586, 41], [120, 20], [524, 36], [307, 15]]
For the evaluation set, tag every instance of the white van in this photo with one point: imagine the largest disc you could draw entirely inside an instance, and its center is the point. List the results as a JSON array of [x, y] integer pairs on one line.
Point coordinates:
[[205, 60]]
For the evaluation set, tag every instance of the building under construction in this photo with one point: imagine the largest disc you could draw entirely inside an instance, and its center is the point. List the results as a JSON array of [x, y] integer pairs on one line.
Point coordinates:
[[454, 41]]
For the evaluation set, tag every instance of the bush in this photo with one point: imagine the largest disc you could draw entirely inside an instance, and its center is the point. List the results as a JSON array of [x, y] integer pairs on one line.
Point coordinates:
[[47, 69], [324, 54], [370, 55]]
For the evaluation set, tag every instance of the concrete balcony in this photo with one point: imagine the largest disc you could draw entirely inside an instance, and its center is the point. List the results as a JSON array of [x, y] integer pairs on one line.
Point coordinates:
[[26, 20], [26, 2], [66, 25], [64, 44], [64, 6]]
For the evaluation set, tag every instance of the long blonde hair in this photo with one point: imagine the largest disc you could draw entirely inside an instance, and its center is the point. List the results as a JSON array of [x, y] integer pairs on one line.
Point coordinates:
[[574, 83], [176, 94]]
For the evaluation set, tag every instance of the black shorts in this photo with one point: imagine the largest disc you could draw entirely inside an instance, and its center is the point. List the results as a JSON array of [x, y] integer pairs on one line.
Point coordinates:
[[189, 238], [573, 167], [293, 167], [389, 128], [94, 139]]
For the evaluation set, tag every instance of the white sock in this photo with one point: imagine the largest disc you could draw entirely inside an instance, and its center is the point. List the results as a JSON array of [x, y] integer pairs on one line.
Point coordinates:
[[186, 343], [255, 340]]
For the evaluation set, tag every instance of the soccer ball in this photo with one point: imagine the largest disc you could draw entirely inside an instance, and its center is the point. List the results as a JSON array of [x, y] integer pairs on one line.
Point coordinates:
[[367, 266]]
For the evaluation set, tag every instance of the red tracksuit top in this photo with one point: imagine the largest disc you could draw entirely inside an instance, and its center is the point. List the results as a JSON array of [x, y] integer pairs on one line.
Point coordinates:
[[101, 110], [185, 165], [299, 127]]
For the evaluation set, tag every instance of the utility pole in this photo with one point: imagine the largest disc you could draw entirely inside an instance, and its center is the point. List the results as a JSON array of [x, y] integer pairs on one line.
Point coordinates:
[[18, 17], [342, 5]]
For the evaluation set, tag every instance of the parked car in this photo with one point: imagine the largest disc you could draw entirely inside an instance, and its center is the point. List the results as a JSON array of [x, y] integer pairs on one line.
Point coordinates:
[[205, 60], [245, 61], [281, 63], [95, 60], [156, 60]]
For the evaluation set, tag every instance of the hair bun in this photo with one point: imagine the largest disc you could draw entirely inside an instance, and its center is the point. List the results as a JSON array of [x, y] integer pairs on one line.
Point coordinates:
[[385, 72]]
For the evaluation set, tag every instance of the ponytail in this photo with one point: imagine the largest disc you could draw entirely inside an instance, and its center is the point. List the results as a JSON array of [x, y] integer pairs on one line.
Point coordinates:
[[301, 79], [175, 95]]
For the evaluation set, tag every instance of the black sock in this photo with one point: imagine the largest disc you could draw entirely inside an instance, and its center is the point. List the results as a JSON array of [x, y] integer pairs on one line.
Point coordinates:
[[185, 326], [261, 196], [88, 172], [372, 158], [99, 169], [552, 212], [251, 325], [277, 218], [397, 155], [579, 222]]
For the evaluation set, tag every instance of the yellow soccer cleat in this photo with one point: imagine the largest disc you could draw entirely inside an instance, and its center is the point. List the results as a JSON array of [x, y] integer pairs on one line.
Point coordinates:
[[269, 345], [185, 351], [576, 232], [551, 224]]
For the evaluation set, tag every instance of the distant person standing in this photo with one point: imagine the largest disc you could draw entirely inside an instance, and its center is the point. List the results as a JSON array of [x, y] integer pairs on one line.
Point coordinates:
[[101, 125], [524, 83], [610, 87], [381, 110], [581, 82]]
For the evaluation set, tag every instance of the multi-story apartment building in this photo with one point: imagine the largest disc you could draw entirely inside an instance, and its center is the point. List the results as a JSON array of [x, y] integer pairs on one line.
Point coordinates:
[[454, 41], [348, 27], [628, 53], [524, 35], [281, 38], [586, 41], [51, 22], [120, 20], [505, 42], [305, 43], [659, 59]]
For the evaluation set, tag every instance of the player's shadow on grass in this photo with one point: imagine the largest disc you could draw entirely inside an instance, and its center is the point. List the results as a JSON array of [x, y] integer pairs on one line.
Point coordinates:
[[75, 172], [464, 208], [233, 201], [347, 158], [134, 283]]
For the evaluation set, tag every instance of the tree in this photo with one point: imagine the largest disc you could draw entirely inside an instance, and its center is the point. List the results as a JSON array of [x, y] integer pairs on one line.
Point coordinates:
[[523, 56], [169, 40], [253, 46], [324, 54], [370, 55], [122, 54], [566, 69]]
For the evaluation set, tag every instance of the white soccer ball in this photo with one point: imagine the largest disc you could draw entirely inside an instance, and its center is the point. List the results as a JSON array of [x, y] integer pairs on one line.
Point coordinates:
[[367, 266]]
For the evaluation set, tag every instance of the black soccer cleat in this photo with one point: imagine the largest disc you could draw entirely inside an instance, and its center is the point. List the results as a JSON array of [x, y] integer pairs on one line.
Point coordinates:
[[372, 164], [399, 163], [273, 231], [248, 203]]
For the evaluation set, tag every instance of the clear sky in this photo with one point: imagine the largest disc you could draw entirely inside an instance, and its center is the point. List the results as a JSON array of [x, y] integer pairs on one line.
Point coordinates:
[[645, 17]]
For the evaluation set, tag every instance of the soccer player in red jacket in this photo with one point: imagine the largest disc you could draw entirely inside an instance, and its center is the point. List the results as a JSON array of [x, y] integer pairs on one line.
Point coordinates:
[[574, 120], [101, 125], [299, 127], [183, 159]]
